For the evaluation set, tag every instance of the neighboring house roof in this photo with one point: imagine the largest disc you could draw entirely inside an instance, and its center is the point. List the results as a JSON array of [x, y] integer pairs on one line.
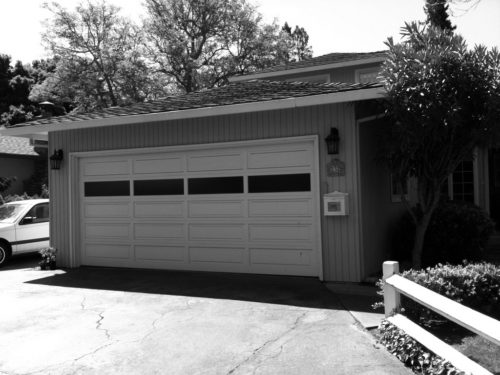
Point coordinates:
[[16, 146], [238, 97], [329, 61]]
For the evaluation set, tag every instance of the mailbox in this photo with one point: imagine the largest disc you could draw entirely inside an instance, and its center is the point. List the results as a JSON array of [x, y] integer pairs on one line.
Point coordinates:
[[336, 204]]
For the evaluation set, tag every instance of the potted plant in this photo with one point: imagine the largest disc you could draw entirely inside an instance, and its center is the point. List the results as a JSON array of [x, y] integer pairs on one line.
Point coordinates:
[[48, 261]]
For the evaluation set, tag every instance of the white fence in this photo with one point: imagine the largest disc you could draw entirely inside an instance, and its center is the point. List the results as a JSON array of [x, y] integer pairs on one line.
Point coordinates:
[[474, 321]]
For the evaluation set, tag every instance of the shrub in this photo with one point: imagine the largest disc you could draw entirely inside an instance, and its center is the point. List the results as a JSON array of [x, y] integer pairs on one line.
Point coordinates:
[[474, 285], [457, 231], [413, 354]]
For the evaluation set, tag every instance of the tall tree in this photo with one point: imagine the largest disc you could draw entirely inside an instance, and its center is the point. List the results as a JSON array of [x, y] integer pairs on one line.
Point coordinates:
[[437, 14], [299, 38], [98, 49], [201, 43], [443, 100]]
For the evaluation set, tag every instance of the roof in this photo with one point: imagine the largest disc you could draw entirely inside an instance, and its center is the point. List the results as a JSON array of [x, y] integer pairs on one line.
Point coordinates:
[[328, 61], [16, 146], [242, 93]]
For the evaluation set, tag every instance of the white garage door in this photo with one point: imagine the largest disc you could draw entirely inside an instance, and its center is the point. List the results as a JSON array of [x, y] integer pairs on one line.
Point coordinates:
[[246, 209]]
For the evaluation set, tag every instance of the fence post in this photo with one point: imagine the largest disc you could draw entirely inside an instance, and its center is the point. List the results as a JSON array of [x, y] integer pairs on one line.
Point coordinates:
[[391, 295]]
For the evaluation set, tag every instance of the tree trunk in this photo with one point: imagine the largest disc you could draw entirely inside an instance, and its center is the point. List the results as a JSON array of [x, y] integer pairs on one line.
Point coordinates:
[[418, 245]]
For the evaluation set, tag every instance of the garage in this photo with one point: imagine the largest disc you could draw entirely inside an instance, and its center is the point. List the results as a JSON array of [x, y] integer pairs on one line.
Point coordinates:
[[249, 207]]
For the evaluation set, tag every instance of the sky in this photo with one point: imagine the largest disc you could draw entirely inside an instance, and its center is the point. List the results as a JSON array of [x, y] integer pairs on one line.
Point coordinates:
[[332, 25]]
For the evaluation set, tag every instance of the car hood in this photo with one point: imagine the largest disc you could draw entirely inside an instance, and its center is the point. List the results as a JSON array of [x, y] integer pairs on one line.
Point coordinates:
[[6, 226]]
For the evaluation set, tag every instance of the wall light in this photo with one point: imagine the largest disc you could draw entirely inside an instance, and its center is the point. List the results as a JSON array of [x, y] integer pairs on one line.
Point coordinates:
[[332, 141], [56, 159]]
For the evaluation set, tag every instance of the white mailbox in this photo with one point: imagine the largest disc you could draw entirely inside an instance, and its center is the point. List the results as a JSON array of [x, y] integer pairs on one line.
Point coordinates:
[[336, 204]]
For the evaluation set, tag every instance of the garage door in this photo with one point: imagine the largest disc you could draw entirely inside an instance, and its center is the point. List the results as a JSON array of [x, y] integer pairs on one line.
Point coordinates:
[[249, 209]]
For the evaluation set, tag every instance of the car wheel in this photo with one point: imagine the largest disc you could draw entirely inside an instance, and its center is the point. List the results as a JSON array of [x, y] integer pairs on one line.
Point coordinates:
[[4, 254]]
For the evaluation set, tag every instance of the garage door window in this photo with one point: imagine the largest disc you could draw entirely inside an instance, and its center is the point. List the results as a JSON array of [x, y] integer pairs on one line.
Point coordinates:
[[107, 188], [279, 183], [216, 185], [159, 187]]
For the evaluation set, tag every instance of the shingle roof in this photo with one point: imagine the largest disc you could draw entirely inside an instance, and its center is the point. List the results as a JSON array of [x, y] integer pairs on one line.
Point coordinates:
[[331, 58], [16, 146], [233, 93]]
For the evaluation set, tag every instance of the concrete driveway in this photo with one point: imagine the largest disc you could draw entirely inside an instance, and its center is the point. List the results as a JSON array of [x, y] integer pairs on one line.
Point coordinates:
[[112, 321]]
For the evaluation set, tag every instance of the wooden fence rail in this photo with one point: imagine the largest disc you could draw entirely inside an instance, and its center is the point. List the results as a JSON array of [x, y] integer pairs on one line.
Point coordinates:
[[474, 321]]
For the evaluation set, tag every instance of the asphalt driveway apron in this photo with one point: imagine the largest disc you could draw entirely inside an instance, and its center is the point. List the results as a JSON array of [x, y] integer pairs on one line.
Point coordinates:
[[116, 321]]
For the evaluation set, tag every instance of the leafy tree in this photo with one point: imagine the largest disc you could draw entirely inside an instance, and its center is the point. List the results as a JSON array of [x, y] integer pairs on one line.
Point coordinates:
[[443, 100], [201, 43], [98, 61], [300, 48], [437, 14]]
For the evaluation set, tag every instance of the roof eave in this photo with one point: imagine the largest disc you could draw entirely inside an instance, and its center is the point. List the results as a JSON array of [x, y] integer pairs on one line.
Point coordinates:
[[309, 69], [332, 98]]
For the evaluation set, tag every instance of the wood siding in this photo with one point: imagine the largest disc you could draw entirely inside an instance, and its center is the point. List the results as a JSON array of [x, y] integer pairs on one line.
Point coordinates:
[[340, 235]]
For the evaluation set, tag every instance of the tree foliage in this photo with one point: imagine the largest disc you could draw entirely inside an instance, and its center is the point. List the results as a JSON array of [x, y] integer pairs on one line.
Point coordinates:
[[99, 57], [437, 14], [201, 43], [299, 39], [443, 100]]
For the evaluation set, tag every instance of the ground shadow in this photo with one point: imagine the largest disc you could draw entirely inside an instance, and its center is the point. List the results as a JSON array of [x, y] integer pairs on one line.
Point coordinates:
[[285, 290], [28, 260]]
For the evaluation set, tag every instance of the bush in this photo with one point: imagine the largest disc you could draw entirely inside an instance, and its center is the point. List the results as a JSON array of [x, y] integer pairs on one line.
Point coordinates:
[[413, 354], [457, 231], [474, 285]]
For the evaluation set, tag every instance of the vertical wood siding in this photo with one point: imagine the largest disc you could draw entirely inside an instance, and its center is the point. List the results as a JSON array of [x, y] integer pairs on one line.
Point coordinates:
[[340, 235]]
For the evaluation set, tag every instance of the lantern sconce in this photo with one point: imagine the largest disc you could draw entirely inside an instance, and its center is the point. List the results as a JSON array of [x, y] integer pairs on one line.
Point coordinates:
[[56, 159], [332, 141]]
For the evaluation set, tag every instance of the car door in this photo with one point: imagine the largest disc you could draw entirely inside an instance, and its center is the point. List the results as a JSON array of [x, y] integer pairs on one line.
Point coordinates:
[[32, 231]]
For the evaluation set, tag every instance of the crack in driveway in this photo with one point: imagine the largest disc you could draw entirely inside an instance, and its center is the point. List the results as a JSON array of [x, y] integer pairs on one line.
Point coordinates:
[[257, 351]]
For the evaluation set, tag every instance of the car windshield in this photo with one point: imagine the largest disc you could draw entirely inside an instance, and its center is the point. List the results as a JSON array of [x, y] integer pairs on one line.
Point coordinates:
[[10, 212]]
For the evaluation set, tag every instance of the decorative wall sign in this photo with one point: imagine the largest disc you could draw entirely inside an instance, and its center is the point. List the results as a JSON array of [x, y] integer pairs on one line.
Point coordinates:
[[335, 168]]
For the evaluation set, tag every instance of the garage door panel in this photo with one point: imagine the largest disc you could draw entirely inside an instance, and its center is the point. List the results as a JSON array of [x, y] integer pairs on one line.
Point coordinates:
[[280, 208], [101, 250], [107, 210], [216, 231], [280, 232], [299, 257], [216, 254], [159, 230], [107, 230], [280, 159], [207, 163], [106, 168], [159, 209], [158, 165], [250, 209], [215, 208], [165, 253]]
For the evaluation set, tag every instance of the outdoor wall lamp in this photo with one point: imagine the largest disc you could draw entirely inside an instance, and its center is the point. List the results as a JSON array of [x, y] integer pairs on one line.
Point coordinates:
[[332, 141], [56, 159]]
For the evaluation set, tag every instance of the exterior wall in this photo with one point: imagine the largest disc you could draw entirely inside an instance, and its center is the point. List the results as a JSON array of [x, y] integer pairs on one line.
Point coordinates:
[[347, 74], [18, 166], [340, 235], [379, 212]]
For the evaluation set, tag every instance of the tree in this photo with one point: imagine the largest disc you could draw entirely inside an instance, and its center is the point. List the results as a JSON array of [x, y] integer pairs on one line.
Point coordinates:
[[443, 100], [300, 48], [201, 43], [97, 54], [437, 14]]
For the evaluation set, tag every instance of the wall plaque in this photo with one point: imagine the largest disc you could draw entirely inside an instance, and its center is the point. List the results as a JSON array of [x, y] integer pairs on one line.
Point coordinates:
[[335, 168]]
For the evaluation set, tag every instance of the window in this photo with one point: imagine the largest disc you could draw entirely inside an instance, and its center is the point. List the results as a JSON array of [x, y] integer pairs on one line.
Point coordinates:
[[367, 75], [107, 188], [396, 191], [37, 214], [460, 184], [159, 187], [215, 185], [279, 183]]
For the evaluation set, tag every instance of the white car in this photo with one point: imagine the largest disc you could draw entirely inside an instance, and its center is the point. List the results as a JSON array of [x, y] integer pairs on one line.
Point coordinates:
[[24, 227]]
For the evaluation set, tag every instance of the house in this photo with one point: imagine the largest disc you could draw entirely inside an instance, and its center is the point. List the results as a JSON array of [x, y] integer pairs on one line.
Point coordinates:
[[232, 179], [18, 159]]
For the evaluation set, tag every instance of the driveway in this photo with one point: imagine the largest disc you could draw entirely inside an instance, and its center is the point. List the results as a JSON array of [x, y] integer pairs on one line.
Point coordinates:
[[116, 321]]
